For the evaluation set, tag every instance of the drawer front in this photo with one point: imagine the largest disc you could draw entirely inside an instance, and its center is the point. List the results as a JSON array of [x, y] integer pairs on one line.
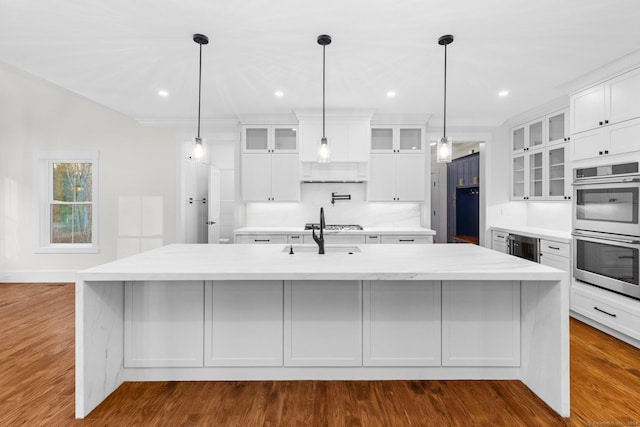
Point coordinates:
[[295, 238], [608, 314], [373, 238], [555, 248], [262, 239], [499, 236], [555, 261], [407, 239]]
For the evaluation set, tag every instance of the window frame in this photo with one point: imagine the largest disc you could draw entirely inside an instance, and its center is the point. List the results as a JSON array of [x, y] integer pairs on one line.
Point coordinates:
[[44, 161]]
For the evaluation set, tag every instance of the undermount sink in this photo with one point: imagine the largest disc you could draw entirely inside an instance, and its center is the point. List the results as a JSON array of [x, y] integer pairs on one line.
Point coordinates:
[[328, 249]]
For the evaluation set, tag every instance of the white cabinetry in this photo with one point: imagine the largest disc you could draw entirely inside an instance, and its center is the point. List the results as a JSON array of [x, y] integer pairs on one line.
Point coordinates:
[[323, 323], [527, 175], [401, 323], [555, 254], [605, 119], [397, 177], [270, 164], [263, 238], [608, 103], [408, 239], [397, 166], [557, 127], [499, 241], [480, 323], [347, 138], [528, 136], [163, 324], [557, 174], [243, 323]]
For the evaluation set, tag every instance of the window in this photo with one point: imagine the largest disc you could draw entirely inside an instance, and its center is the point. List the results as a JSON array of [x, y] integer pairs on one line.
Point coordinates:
[[68, 202]]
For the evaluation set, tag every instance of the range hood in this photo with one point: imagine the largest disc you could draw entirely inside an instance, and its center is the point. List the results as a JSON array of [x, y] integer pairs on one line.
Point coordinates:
[[334, 172]]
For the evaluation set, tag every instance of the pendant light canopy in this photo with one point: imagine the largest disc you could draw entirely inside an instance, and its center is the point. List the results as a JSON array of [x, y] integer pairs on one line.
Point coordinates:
[[198, 150], [445, 144], [324, 153]]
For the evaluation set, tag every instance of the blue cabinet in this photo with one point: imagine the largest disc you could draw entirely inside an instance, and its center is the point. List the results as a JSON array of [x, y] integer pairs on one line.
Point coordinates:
[[463, 194]]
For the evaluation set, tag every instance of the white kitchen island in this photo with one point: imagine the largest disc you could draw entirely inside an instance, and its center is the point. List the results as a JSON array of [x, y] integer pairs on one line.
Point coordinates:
[[255, 312]]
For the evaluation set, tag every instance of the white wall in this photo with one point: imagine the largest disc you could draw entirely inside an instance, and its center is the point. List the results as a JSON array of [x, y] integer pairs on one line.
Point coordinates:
[[135, 162]]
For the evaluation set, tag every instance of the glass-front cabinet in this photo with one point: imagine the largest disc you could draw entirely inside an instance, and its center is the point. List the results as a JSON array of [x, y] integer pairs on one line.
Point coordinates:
[[557, 127], [397, 139], [270, 139], [528, 136], [527, 176], [558, 172]]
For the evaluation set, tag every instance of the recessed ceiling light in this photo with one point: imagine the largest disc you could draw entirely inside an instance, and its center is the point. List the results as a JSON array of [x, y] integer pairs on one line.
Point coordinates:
[[279, 94], [391, 94], [503, 93], [163, 93]]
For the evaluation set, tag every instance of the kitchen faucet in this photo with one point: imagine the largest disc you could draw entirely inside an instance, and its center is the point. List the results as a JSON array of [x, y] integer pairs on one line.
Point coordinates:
[[319, 239]]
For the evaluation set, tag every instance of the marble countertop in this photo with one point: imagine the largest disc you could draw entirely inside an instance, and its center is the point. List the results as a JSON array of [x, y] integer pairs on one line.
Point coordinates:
[[365, 230], [540, 233], [373, 262]]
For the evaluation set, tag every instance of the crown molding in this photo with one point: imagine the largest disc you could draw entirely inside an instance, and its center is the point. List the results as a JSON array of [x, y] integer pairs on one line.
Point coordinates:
[[223, 121]]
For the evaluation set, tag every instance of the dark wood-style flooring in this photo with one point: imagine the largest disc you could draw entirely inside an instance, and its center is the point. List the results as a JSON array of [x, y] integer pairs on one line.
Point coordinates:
[[37, 386]]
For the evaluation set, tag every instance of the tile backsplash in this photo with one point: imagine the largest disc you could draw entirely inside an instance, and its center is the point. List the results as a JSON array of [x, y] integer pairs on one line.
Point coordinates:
[[354, 211]]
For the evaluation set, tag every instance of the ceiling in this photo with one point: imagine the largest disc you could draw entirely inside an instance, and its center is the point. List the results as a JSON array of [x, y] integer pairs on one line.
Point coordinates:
[[119, 53]]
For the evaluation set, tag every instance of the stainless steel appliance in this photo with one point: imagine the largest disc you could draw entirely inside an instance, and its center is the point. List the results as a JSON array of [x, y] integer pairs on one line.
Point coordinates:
[[610, 261], [524, 247], [606, 199], [606, 227]]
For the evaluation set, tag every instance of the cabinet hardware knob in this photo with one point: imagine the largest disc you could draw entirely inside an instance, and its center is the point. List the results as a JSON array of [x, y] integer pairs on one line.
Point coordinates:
[[600, 153], [606, 122], [606, 151], [600, 123]]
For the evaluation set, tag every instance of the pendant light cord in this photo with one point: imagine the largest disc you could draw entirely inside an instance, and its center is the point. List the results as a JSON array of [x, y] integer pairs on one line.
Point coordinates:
[[199, 88], [444, 132], [323, 90]]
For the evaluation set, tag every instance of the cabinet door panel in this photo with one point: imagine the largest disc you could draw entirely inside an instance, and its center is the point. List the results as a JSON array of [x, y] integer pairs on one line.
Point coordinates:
[[624, 137], [587, 144], [256, 177], [285, 177], [382, 181], [163, 324], [243, 323], [519, 166], [587, 109], [624, 92], [256, 139], [480, 323], [323, 323], [411, 177], [401, 323]]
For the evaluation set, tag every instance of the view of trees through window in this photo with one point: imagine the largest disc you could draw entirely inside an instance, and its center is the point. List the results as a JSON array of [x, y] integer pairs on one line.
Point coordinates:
[[71, 204]]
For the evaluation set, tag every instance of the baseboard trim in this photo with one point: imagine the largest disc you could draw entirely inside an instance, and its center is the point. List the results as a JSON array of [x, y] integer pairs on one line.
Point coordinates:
[[44, 276]]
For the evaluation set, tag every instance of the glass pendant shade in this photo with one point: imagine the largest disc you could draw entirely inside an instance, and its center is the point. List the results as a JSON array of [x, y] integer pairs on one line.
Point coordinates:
[[198, 149], [443, 150], [324, 153]]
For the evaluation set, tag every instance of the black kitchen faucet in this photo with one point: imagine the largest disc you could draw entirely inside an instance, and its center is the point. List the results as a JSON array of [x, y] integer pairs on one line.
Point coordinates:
[[319, 239]]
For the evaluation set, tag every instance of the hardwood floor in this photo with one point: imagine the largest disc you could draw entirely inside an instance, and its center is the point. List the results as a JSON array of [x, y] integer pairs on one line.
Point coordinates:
[[37, 385]]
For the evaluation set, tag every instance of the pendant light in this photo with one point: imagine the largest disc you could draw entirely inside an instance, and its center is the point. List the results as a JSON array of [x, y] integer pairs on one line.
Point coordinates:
[[445, 144], [198, 150], [324, 153]]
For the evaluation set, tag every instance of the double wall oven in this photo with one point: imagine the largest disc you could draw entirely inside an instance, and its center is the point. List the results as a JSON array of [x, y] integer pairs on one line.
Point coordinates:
[[606, 230]]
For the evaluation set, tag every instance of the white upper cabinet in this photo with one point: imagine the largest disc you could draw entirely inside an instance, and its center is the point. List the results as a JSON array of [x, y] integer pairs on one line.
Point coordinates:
[[528, 136], [527, 176], [397, 139], [558, 172], [396, 177], [557, 127], [618, 139], [270, 139], [270, 163], [348, 139], [611, 102]]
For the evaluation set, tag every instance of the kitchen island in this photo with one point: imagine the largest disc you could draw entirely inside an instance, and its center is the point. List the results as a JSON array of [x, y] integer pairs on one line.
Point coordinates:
[[252, 312]]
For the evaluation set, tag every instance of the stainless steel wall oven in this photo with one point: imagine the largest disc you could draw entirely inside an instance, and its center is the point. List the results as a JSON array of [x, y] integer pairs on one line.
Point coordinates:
[[606, 227]]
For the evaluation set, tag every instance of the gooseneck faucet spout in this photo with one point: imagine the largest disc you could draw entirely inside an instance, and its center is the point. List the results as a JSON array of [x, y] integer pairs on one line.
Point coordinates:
[[319, 239]]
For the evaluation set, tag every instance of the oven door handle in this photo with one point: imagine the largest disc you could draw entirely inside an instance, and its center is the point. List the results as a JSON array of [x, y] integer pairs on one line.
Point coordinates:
[[607, 237], [578, 182]]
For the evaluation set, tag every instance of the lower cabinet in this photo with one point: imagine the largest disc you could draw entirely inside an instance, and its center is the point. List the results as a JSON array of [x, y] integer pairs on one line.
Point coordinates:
[[323, 323], [163, 324], [262, 238], [407, 239], [401, 323], [338, 239], [243, 323], [480, 323]]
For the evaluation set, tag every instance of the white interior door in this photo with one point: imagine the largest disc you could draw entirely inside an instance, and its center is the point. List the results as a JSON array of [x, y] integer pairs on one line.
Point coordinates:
[[213, 221]]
